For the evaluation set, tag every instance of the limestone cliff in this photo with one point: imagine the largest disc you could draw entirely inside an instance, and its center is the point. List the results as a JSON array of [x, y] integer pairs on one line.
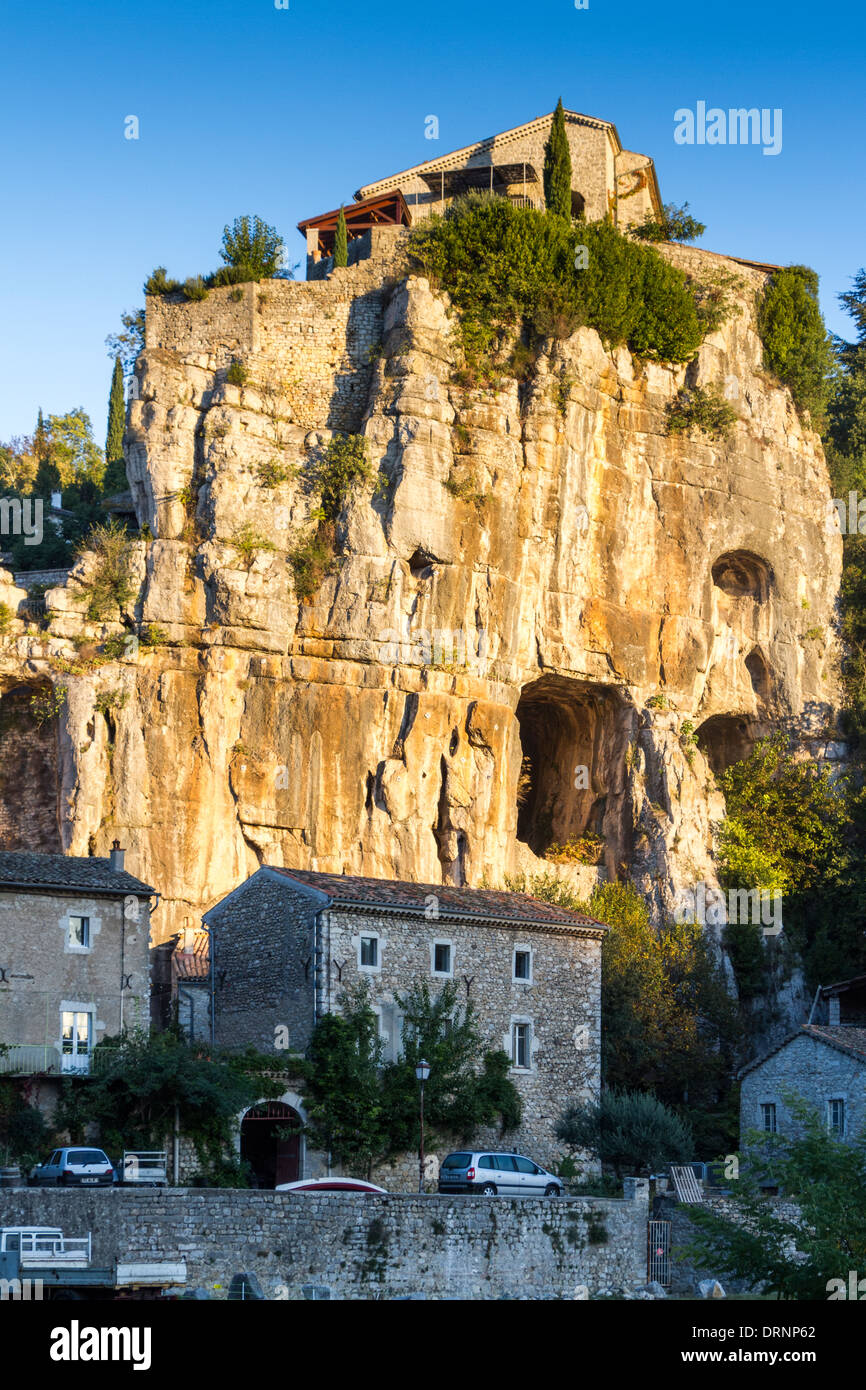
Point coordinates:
[[547, 581]]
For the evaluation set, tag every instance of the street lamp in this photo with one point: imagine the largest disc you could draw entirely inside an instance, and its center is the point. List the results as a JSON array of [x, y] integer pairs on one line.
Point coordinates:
[[422, 1071]]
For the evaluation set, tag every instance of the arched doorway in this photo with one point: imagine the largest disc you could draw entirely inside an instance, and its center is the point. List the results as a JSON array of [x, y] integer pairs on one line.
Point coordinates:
[[268, 1144]]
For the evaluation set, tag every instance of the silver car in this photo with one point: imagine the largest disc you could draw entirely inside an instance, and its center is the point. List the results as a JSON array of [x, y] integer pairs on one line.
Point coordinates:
[[492, 1174]]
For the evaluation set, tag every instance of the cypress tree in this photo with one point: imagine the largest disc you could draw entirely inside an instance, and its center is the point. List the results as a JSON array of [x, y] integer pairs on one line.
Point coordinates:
[[557, 166], [115, 472], [341, 241]]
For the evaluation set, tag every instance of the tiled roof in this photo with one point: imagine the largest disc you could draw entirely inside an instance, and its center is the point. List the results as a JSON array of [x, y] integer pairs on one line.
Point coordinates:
[[483, 904], [25, 870], [851, 1041]]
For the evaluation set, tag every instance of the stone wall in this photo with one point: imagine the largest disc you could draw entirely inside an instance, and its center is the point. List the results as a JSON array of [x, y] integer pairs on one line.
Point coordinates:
[[358, 1246], [812, 1070], [47, 975]]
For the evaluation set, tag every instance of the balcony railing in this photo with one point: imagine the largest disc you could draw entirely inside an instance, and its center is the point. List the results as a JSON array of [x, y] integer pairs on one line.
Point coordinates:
[[37, 1059]]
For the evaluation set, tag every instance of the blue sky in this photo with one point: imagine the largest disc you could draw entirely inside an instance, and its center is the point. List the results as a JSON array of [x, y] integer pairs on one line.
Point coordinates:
[[244, 107]]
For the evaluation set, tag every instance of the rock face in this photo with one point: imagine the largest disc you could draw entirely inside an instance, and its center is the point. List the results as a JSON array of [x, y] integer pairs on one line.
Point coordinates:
[[545, 600]]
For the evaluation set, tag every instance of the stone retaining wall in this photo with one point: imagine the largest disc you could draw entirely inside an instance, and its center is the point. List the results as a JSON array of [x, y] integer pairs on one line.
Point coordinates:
[[357, 1246]]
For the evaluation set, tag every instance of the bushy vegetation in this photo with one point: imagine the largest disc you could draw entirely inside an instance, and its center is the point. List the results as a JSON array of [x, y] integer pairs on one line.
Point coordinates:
[[311, 559], [109, 585], [249, 542], [703, 409], [337, 470], [514, 271], [23, 1131], [629, 1131], [797, 347], [237, 373]]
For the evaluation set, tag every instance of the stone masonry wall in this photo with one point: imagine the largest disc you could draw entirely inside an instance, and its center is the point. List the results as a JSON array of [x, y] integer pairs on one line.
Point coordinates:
[[562, 1003], [810, 1069], [369, 1247]]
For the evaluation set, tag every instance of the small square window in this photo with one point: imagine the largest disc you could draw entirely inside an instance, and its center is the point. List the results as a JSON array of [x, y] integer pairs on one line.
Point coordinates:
[[520, 1035], [441, 958], [79, 932], [370, 951], [768, 1118], [522, 965]]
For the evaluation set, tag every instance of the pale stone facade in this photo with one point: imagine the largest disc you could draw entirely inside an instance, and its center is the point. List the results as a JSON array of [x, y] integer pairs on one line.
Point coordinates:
[[607, 180]]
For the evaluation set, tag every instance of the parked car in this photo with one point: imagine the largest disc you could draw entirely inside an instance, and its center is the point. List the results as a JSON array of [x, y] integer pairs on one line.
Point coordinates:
[[74, 1167], [329, 1185], [492, 1174]]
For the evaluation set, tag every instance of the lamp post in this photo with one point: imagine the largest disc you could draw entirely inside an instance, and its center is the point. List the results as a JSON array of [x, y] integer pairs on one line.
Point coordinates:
[[422, 1071]]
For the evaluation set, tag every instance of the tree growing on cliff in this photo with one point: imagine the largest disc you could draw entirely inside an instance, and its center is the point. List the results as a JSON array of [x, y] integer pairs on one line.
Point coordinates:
[[252, 247], [341, 241], [628, 1130], [115, 467], [126, 345], [557, 166]]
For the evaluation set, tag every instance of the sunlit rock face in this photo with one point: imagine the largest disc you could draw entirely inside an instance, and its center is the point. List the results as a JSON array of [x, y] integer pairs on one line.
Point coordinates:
[[553, 619]]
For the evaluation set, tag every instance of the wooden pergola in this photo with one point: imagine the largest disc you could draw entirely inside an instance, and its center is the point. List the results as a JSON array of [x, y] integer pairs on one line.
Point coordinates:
[[387, 210]]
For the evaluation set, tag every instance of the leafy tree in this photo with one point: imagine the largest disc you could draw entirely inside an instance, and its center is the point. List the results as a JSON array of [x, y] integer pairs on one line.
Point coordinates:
[[799, 828], [341, 242], [115, 472], [125, 346], [23, 1131], [674, 224], [146, 1079], [343, 1090], [557, 166], [71, 449], [632, 1132], [457, 1100], [792, 1259], [796, 344], [254, 247]]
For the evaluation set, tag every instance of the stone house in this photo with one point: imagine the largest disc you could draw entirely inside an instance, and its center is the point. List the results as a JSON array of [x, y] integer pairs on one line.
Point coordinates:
[[287, 943], [74, 962], [825, 1065], [607, 180]]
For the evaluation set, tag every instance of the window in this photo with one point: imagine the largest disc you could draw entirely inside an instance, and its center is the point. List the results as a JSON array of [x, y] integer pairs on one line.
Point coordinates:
[[522, 964], [442, 958], [369, 953], [768, 1117], [79, 933], [75, 1029], [525, 1165], [503, 1163], [836, 1117], [520, 1035]]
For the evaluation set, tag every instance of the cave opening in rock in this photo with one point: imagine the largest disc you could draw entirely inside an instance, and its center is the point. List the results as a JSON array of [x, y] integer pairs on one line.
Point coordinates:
[[725, 739], [742, 574], [759, 675], [29, 771], [573, 739]]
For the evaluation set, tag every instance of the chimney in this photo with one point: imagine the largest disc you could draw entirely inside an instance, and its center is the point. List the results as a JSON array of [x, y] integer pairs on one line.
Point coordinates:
[[116, 857]]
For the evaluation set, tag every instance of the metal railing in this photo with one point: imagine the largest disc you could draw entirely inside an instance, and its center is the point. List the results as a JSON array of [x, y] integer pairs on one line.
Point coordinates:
[[36, 1249], [38, 1059]]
